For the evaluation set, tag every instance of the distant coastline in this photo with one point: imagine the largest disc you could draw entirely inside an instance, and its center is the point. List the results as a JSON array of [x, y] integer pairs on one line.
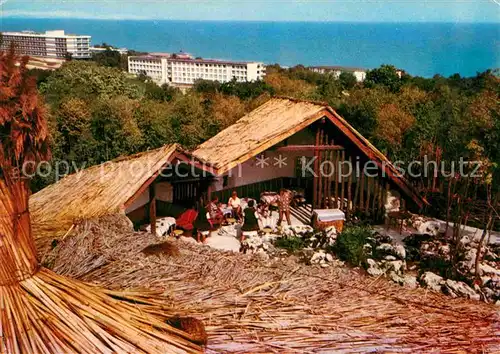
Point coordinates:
[[422, 49]]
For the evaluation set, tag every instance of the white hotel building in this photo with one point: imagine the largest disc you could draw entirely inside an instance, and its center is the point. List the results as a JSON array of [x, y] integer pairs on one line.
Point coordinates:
[[335, 71], [183, 70], [51, 44]]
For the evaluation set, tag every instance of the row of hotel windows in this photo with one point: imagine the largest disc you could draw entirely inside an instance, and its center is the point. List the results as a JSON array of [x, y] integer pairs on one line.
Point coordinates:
[[207, 65], [192, 69], [191, 80]]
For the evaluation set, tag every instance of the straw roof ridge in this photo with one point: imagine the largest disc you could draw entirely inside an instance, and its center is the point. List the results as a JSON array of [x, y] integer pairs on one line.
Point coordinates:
[[95, 191], [302, 100], [278, 119]]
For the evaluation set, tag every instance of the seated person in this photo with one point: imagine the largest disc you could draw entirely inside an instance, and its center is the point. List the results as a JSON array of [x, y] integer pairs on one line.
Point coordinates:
[[251, 223], [235, 203], [186, 219], [214, 212]]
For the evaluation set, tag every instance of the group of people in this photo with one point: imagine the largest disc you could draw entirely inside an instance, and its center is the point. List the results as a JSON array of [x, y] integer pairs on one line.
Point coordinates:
[[252, 213]]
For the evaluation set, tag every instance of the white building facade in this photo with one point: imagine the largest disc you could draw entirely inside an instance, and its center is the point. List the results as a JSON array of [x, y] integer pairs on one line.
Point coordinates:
[[335, 71], [185, 71], [51, 44]]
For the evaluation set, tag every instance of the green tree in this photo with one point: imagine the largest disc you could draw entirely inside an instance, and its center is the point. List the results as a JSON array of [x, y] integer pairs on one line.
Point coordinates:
[[347, 80], [109, 57], [386, 75], [88, 80]]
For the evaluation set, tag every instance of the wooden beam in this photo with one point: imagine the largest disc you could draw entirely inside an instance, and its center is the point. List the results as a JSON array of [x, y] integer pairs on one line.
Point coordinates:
[[341, 180], [271, 142], [316, 168], [321, 198], [308, 148], [349, 188], [152, 207], [375, 155]]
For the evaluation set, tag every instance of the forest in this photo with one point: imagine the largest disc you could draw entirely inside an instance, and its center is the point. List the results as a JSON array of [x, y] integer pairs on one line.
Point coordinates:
[[98, 112]]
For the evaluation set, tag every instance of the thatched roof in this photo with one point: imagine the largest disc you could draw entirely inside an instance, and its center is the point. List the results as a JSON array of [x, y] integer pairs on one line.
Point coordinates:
[[96, 191], [276, 120], [253, 306]]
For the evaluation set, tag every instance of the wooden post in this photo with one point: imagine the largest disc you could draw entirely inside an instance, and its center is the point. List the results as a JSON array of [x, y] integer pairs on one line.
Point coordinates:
[[375, 196], [362, 190], [369, 186], [356, 192], [320, 180], [341, 180], [327, 180], [152, 207], [337, 179], [315, 178], [349, 187]]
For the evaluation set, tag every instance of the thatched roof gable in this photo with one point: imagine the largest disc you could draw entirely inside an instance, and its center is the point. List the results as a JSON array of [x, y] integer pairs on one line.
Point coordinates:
[[95, 191], [278, 119]]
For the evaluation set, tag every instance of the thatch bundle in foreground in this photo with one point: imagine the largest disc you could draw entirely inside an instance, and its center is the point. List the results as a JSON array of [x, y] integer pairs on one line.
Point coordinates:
[[41, 311], [250, 306]]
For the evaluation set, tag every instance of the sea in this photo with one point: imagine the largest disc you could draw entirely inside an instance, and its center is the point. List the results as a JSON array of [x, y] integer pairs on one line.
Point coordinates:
[[421, 49]]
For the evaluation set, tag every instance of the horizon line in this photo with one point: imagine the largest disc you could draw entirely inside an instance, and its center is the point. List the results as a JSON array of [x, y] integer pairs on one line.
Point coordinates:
[[97, 18]]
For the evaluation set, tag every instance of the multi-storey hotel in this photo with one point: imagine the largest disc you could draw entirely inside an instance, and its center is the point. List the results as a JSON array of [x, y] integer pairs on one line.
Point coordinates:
[[359, 73], [51, 44], [182, 69]]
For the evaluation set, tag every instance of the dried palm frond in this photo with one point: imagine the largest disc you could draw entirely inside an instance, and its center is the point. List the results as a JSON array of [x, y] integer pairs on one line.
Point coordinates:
[[192, 326], [254, 306], [41, 311]]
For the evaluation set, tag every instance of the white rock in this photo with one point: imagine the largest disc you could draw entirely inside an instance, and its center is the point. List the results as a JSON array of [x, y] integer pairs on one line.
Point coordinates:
[[487, 269], [465, 240], [324, 265], [390, 258], [396, 277], [317, 257], [430, 227], [410, 281], [461, 289], [432, 281], [397, 266], [262, 255], [386, 247], [400, 251], [226, 243], [329, 257], [373, 268]]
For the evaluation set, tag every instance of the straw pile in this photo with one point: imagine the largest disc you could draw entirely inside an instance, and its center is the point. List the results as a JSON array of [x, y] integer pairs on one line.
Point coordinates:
[[282, 306], [41, 311]]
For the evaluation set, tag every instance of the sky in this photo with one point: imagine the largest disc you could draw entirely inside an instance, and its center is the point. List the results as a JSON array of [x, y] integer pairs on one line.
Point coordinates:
[[261, 10]]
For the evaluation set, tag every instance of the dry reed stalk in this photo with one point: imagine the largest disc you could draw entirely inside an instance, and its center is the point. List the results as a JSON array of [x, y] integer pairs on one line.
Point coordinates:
[[43, 312], [251, 307]]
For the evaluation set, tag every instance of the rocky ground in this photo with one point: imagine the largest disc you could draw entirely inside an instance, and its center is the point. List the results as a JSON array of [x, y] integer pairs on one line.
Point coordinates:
[[422, 259]]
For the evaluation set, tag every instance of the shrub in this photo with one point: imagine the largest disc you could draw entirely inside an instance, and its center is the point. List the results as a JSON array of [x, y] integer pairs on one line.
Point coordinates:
[[349, 245], [292, 243]]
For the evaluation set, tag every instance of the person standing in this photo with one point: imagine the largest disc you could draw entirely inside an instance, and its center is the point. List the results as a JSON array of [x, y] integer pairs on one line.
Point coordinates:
[[285, 199], [251, 223]]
